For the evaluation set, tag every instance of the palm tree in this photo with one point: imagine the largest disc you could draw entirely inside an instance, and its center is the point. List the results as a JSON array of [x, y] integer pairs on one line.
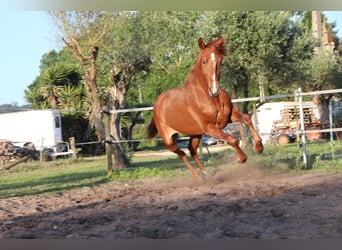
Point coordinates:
[[50, 94], [55, 78], [34, 97], [70, 97]]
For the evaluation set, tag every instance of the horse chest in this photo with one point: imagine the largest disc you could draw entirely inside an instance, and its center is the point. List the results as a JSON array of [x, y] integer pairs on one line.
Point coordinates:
[[217, 111], [209, 111]]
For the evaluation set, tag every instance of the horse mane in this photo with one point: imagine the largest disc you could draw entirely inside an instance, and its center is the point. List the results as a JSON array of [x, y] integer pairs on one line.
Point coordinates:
[[219, 46]]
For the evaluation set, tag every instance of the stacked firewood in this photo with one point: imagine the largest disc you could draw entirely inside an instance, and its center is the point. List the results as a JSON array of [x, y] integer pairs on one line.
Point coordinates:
[[7, 152], [292, 115], [10, 154], [290, 121]]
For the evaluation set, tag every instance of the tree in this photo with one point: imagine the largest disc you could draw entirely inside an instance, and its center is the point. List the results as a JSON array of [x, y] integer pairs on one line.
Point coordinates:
[[326, 74], [59, 86], [265, 48], [83, 34], [124, 56], [44, 92], [34, 97], [53, 57], [71, 98], [172, 38], [326, 65]]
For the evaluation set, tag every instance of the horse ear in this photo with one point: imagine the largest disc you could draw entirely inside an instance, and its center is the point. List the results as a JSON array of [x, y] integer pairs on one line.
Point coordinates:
[[201, 43], [221, 39]]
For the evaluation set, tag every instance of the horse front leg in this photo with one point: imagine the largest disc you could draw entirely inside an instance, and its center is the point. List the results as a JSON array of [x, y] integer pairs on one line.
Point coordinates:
[[244, 118], [232, 141]]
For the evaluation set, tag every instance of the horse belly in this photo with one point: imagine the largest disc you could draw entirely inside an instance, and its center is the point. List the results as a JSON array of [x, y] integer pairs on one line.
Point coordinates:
[[175, 115], [185, 124]]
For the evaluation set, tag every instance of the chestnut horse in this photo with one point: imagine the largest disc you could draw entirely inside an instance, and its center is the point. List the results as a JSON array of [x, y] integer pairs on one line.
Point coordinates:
[[199, 107]]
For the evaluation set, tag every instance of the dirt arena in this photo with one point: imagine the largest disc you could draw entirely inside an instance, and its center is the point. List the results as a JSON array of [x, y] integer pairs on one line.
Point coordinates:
[[245, 203]]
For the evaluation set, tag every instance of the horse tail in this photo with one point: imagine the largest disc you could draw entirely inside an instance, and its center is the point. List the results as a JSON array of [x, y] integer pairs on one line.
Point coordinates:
[[151, 129]]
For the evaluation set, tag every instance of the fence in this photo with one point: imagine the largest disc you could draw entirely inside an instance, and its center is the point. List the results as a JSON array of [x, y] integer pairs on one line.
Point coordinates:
[[298, 95]]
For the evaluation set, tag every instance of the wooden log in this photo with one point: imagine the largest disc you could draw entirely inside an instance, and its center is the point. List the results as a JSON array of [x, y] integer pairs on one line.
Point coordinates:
[[13, 164]]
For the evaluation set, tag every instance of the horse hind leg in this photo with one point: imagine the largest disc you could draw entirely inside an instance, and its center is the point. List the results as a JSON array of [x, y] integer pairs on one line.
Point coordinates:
[[193, 146], [244, 118], [173, 147]]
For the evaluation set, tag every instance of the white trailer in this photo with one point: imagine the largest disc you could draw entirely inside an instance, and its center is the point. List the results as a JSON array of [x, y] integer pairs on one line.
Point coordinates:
[[43, 128]]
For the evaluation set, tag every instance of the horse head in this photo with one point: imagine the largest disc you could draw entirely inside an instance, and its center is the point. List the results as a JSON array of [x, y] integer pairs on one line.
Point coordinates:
[[209, 61]]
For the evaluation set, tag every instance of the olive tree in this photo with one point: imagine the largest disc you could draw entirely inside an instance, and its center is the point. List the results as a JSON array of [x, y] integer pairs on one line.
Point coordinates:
[[83, 34]]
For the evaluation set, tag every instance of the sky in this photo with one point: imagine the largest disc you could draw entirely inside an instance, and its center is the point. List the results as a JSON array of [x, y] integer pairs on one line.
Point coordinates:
[[27, 35]]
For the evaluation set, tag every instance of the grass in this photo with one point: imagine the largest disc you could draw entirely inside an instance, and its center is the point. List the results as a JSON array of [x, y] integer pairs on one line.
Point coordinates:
[[151, 166], [321, 156], [57, 176], [36, 178]]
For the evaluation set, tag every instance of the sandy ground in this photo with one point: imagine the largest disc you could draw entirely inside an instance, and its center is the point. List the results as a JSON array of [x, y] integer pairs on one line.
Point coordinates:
[[245, 203]]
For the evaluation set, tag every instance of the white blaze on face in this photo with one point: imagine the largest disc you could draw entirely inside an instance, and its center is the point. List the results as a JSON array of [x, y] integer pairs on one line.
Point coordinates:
[[214, 86]]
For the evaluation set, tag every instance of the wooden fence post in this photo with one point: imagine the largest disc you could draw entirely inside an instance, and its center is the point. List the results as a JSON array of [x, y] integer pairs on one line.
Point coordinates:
[[108, 140], [42, 151], [73, 147], [302, 127]]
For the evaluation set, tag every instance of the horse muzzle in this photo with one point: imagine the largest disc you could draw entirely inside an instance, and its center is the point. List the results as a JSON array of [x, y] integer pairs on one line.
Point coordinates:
[[214, 93]]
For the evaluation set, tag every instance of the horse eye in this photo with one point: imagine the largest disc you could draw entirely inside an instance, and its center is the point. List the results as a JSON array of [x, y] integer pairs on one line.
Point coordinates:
[[204, 62]]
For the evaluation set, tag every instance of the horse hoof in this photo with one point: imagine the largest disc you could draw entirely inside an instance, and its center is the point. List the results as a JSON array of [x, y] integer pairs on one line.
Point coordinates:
[[241, 160], [258, 147], [206, 175]]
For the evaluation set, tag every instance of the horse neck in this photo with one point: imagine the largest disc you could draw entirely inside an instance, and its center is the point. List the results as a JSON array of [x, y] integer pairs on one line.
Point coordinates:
[[196, 80]]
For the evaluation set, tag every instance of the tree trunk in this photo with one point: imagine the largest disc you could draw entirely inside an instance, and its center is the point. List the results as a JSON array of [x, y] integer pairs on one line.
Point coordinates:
[[322, 103], [121, 160], [132, 145], [95, 118], [121, 83], [244, 85], [89, 68], [234, 94]]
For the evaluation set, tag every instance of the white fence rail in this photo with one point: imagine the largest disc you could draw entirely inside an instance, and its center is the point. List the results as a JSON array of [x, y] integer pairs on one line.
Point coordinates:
[[298, 95], [258, 98]]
